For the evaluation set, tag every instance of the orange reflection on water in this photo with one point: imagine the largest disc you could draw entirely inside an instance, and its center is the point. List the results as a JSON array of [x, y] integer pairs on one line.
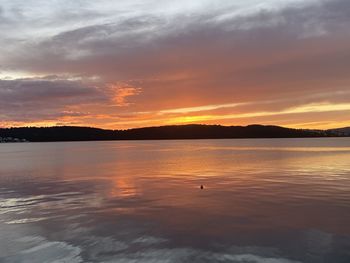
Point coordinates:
[[123, 187]]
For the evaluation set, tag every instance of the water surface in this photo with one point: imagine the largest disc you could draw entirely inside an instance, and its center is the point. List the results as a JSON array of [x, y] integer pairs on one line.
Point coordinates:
[[264, 200]]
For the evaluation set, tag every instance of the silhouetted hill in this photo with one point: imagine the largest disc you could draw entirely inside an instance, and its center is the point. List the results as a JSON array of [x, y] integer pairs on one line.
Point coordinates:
[[68, 133], [340, 131]]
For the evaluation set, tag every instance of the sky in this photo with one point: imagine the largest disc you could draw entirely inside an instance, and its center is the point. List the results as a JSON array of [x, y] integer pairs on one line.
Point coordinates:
[[136, 63]]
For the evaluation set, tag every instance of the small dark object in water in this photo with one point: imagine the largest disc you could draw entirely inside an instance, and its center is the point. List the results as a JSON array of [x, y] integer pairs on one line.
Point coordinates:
[[202, 186]]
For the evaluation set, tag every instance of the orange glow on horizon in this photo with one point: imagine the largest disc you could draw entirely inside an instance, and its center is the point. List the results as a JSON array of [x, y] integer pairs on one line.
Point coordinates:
[[208, 114]]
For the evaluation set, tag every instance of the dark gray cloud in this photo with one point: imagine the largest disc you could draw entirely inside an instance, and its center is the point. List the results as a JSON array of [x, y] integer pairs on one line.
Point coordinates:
[[147, 46], [41, 99]]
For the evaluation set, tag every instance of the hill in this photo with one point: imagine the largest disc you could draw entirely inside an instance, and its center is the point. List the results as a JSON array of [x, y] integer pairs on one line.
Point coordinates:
[[70, 133], [340, 131]]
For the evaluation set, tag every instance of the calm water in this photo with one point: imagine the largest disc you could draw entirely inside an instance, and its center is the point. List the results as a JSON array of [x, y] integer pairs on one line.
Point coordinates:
[[266, 201]]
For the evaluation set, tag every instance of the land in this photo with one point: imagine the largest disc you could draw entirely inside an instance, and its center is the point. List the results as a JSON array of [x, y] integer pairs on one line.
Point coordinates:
[[10, 139], [194, 131]]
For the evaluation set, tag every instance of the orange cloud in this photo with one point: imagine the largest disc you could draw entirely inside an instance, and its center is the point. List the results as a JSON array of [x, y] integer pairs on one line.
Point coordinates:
[[122, 92]]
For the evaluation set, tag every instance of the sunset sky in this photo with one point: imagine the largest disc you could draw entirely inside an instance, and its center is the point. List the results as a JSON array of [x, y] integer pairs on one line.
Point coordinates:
[[136, 63]]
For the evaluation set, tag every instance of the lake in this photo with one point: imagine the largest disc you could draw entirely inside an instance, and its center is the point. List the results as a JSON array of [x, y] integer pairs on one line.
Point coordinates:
[[264, 201]]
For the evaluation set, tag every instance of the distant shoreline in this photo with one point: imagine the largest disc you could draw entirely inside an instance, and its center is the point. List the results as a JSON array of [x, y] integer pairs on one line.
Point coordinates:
[[176, 132], [154, 140]]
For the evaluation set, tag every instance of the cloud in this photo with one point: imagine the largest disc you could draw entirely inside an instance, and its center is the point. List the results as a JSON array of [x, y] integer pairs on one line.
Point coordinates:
[[122, 92], [28, 99], [187, 55]]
